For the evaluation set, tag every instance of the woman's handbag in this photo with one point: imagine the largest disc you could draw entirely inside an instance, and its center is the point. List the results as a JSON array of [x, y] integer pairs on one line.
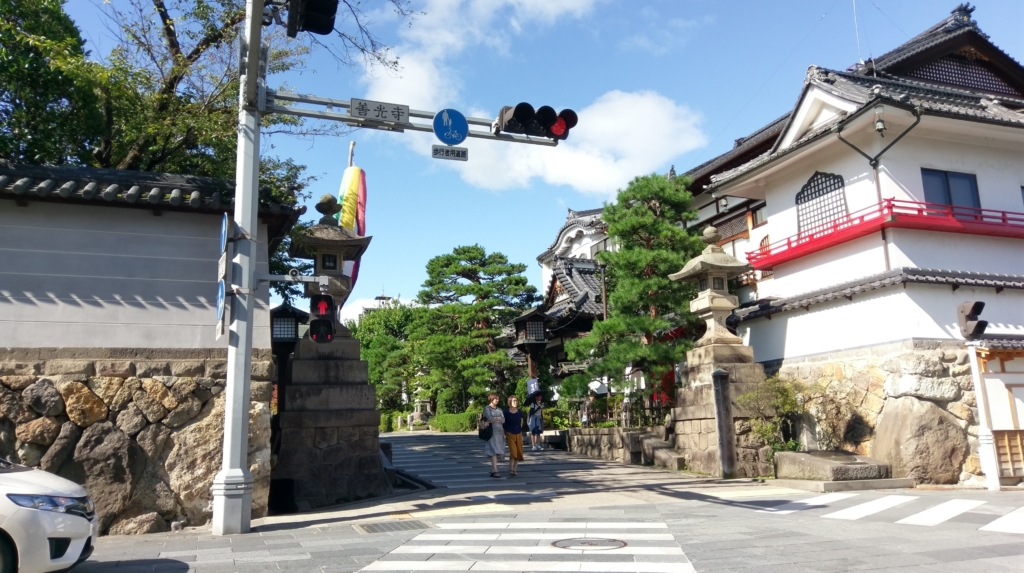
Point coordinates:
[[484, 429]]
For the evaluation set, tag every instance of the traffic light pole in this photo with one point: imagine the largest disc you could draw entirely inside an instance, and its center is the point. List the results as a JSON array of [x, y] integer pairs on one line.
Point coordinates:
[[232, 486]]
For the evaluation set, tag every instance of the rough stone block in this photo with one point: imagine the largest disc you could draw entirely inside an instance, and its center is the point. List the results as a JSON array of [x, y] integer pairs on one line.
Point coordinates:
[[828, 466], [263, 371], [57, 367], [217, 369], [125, 394], [151, 368], [160, 393], [330, 372], [189, 368], [17, 383], [42, 431], [261, 391], [106, 387], [83, 407], [20, 368], [115, 368], [325, 437], [336, 453]]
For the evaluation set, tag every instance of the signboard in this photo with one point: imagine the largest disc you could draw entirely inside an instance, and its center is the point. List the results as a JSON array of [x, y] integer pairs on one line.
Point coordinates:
[[451, 127], [532, 386], [453, 153], [378, 111], [221, 314]]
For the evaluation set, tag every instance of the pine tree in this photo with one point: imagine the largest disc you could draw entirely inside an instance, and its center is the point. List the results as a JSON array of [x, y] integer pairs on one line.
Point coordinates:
[[472, 296], [646, 222]]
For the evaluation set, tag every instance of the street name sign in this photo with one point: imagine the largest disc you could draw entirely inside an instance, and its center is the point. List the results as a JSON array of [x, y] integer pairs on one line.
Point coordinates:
[[451, 127], [379, 111], [450, 153]]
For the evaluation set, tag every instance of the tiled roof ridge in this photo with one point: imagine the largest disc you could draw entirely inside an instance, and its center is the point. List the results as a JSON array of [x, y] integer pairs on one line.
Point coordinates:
[[934, 91], [586, 218], [937, 87], [572, 279], [880, 280], [957, 23], [743, 144], [122, 186]]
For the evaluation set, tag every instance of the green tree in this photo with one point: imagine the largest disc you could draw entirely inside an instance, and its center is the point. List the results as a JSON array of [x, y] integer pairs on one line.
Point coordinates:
[[49, 108], [471, 296], [383, 335], [647, 223]]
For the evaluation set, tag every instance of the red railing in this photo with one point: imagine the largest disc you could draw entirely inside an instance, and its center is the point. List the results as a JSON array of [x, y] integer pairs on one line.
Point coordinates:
[[890, 213]]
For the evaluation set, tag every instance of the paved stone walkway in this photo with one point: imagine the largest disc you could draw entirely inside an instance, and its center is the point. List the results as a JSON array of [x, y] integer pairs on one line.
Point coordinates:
[[572, 514]]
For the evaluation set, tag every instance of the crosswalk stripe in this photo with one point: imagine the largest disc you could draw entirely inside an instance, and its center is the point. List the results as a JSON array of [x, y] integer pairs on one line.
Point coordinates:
[[870, 508], [596, 567], [1012, 522], [540, 536], [942, 512], [531, 550], [553, 525], [821, 500]]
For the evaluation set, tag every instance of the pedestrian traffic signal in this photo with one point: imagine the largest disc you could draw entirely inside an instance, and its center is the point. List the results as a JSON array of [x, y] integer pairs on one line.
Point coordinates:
[[542, 122], [971, 326], [321, 323], [315, 16]]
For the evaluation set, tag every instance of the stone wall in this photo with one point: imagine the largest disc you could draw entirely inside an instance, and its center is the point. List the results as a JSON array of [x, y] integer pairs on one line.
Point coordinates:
[[911, 404], [696, 431], [141, 429], [615, 444]]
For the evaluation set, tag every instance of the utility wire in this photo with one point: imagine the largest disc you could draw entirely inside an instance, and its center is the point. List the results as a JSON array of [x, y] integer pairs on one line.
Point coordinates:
[[758, 90], [890, 19], [856, 31]]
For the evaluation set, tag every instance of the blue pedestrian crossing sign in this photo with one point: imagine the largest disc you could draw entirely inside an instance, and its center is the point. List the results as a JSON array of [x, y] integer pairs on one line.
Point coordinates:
[[220, 300], [450, 126], [225, 226]]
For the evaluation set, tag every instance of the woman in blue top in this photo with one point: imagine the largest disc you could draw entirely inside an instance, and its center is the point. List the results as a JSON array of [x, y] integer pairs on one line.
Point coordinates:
[[513, 427]]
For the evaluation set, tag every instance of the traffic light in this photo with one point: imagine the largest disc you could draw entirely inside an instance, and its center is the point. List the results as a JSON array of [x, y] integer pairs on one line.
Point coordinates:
[[542, 122], [315, 16], [967, 315], [321, 323]]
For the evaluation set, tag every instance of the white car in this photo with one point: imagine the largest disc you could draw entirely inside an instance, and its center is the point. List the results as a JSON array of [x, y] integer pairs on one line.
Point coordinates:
[[47, 523]]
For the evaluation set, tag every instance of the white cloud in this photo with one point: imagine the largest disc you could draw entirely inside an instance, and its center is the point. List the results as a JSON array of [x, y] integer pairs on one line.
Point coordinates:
[[353, 308], [620, 134]]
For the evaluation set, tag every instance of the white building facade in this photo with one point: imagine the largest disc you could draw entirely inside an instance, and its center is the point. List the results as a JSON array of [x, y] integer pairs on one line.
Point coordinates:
[[890, 194]]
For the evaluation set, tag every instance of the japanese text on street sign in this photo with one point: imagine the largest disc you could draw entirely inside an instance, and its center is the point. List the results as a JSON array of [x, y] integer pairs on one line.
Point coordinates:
[[379, 111], [452, 153]]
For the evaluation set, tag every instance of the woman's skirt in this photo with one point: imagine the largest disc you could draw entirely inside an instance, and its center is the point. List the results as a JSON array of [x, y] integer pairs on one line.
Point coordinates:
[[495, 445]]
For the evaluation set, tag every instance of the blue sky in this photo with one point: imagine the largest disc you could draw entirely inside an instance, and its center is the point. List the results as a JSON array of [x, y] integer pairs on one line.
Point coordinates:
[[656, 83]]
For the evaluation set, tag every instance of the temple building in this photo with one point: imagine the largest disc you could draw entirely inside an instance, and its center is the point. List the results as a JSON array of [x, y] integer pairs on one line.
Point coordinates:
[[892, 192]]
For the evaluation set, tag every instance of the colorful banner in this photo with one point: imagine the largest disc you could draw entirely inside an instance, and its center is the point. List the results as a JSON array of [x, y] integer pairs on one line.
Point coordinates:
[[352, 197]]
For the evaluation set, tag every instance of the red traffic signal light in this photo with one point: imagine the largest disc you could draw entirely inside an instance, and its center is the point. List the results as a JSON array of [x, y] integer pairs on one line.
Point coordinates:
[[971, 326], [321, 306], [542, 122], [314, 16]]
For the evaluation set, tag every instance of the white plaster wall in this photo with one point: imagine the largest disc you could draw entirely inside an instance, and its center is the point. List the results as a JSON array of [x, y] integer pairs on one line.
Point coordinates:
[[976, 253], [573, 243], [98, 276], [998, 165], [847, 261], [885, 315]]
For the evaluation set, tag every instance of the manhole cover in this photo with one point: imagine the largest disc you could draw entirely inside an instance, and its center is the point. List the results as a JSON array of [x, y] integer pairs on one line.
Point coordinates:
[[589, 544]]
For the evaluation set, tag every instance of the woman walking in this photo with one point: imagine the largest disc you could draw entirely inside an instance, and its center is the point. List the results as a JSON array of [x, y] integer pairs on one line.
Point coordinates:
[[514, 434], [536, 422], [496, 445]]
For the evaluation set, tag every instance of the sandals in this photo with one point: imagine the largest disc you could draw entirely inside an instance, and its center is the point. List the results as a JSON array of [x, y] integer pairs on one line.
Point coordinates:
[[513, 474], [495, 475]]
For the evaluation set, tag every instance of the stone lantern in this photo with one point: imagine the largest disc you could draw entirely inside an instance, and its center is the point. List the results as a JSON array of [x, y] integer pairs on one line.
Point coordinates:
[[333, 249], [711, 270]]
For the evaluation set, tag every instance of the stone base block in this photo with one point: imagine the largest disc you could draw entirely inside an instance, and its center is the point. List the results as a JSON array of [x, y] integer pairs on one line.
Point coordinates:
[[821, 486], [341, 348], [330, 419], [303, 397], [330, 372], [720, 354], [829, 466]]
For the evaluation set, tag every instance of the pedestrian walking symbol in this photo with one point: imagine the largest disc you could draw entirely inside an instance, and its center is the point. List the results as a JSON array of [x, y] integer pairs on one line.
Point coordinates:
[[450, 126]]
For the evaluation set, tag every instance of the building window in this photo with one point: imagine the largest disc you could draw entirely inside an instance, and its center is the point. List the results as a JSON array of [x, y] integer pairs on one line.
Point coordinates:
[[285, 329], [950, 188], [605, 244], [719, 283], [759, 218], [534, 330], [822, 200], [765, 242], [329, 262]]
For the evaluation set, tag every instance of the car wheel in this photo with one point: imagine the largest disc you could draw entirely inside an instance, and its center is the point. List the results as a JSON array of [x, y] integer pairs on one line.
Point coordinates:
[[8, 557]]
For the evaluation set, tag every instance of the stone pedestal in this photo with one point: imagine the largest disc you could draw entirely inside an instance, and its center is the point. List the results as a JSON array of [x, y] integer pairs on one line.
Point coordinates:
[[330, 436]]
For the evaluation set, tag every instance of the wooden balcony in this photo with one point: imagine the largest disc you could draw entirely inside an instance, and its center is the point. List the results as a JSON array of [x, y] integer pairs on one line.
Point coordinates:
[[890, 214]]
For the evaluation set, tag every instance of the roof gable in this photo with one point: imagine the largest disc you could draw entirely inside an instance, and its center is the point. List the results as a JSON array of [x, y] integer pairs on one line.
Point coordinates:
[[815, 109], [954, 52]]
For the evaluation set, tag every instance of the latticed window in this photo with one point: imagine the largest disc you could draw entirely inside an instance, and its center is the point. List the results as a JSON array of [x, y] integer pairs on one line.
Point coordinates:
[[286, 328], [764, 248], [535, 330], [964, 71], [821, 201]]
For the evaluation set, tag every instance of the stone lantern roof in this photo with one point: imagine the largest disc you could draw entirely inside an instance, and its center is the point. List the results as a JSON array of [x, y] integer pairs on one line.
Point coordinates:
[[712, 259]]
